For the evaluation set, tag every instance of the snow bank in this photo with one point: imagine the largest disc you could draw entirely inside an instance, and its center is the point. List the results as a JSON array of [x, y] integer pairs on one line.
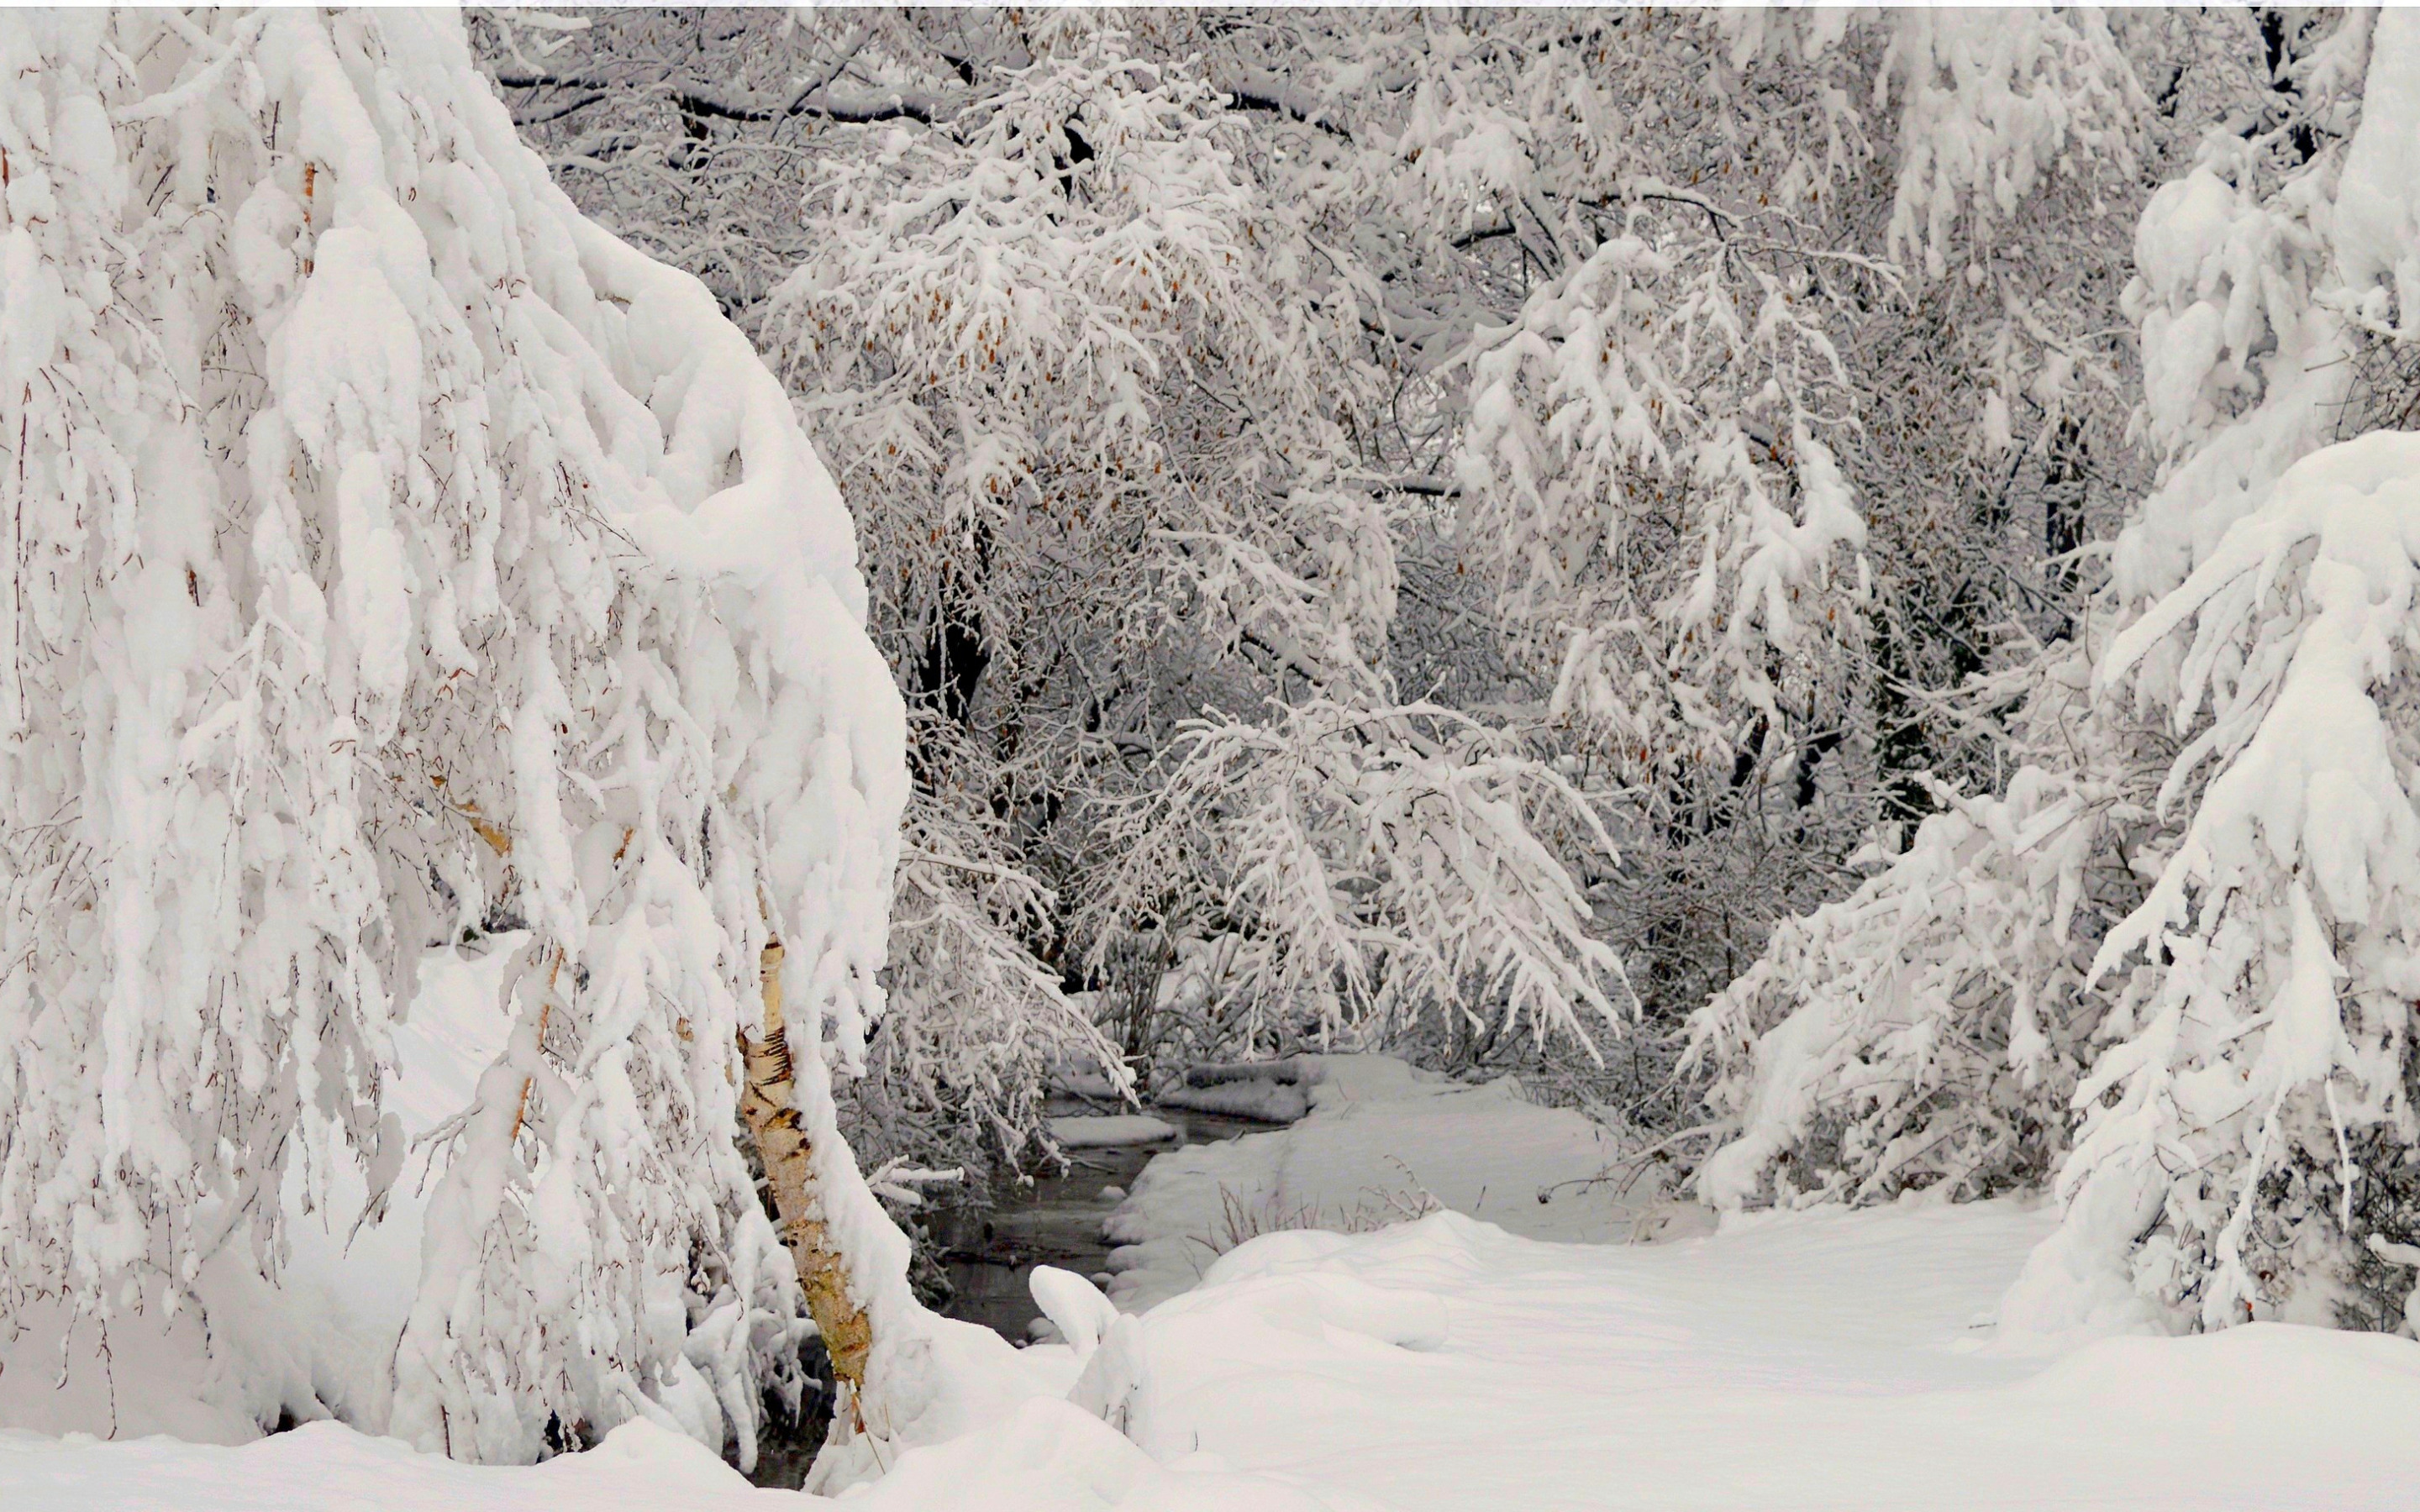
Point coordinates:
[[1273, 1091], [1269, 1102], [1054, 1457], [1822, 1361], [322, 1467], [1381, 1142], [1795, 1361], [1102, 1133]]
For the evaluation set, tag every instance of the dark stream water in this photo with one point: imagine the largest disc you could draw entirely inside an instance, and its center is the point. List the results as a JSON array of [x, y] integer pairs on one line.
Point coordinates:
[[1054, 1219]]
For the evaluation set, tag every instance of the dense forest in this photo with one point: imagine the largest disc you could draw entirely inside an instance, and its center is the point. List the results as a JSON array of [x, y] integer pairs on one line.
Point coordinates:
[[1829, 590], [1676, 553]]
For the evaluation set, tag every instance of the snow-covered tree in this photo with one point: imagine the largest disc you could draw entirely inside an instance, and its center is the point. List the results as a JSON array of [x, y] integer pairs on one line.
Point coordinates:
[[399, 557], [1108, 380], [1683, 433], [2220, 769], [2260, 1042]]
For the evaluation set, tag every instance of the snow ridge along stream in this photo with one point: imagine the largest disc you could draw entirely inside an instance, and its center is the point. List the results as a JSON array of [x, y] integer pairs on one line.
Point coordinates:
[[1814, 1362]]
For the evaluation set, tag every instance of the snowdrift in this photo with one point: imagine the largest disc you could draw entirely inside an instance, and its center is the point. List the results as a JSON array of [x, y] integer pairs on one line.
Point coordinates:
[[1795, 1362]]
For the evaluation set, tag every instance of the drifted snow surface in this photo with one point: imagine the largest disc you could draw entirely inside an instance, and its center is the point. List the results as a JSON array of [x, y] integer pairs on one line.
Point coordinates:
[[1821, 1360], [1811, 1360], [322, 1467], [1824, 1359]]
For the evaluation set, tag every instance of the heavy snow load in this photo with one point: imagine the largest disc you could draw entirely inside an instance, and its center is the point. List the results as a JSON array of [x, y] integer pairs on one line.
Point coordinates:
[[400, 560], [2172, 968]]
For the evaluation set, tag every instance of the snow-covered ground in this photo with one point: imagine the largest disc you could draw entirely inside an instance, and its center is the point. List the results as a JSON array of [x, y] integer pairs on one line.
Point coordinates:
[[325, 1468], [1805, 1361], [1811, 1361], [1822, 1360], [1828, 1359]]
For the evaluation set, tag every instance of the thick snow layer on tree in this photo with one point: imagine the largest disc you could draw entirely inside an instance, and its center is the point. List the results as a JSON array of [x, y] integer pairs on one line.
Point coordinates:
[[2240, 1141], [2377, 229], [398, 557], [355, 1285]]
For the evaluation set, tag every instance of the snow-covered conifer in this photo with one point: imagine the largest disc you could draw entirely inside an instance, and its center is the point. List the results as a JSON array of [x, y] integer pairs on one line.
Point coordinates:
[[2259, 1043], [2218, 768]]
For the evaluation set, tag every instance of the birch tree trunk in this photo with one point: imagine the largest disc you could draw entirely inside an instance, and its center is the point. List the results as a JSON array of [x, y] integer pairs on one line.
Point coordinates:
[[769, 1102]]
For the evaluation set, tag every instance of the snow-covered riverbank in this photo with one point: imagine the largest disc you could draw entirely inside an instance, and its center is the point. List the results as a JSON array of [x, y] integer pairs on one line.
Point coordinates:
[[1811, 1361], [1382, 1142], [1826, 1360], [1819, 1361]]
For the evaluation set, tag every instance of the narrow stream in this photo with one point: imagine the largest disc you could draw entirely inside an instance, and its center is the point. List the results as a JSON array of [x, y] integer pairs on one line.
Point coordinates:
[[1055, 1220]]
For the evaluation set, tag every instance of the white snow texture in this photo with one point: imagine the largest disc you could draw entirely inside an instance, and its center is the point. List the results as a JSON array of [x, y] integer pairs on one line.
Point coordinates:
[[400, 557]]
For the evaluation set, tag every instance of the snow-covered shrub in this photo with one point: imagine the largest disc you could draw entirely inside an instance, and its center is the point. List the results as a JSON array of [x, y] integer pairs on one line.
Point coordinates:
[[951, 1077], [1376, 868], [396, 556], [1929, 1029]]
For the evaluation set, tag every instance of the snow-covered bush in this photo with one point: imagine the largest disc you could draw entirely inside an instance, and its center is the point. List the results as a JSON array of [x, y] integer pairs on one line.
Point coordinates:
[[1929, 1029], [2270, 1032], [399, 556], [950, 1072], [1377, 867]]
